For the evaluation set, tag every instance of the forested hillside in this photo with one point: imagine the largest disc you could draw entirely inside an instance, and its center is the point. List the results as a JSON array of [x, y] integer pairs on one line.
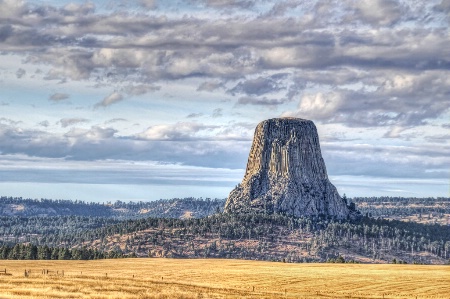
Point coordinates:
[[257, 236], [170, 208], [422, 210], [124, 229]]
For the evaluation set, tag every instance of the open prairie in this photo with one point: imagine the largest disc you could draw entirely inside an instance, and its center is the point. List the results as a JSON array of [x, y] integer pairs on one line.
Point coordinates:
[[211, 278]]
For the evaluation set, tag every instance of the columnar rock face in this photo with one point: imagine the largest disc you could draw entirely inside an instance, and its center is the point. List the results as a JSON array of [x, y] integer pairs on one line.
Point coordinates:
[[286, 173]]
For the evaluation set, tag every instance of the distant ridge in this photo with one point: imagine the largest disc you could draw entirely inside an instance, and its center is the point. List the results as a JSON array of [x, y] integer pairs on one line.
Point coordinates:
[[168, 208]]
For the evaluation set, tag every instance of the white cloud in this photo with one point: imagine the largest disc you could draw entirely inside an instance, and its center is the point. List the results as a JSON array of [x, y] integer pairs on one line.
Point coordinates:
[[394, 132], [218, 112], [20, 73], [380, 12], [12, 8], [109, 100], [151, 4], [228, 3], [95, 133], [178, 131], [141, 89], [318, 106], [44, 123], [66, 122], [264, 101], [351, 65], [280, 57], [57, 97], [79, 9], [210, 86]]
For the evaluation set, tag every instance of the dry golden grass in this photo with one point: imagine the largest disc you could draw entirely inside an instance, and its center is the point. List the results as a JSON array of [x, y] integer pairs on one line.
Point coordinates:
[[176, 278]]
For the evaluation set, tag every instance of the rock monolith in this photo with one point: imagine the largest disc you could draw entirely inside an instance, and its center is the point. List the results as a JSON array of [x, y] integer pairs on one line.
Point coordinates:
[[286, 173]]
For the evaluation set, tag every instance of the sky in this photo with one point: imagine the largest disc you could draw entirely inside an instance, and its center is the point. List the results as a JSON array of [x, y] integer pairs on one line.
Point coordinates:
[[145, 99]]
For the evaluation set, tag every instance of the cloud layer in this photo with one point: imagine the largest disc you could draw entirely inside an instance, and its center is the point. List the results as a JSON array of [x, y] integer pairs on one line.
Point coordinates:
[[187, 83]]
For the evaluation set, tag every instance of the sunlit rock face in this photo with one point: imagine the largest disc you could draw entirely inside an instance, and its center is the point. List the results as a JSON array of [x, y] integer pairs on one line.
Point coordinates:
[[286, 173]]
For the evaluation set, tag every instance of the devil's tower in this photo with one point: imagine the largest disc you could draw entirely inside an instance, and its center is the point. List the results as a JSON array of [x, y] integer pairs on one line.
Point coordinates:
[[286, 173]]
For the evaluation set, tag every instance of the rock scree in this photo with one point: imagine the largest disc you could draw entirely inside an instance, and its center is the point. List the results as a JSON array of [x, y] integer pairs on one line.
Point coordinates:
[[286, 174]]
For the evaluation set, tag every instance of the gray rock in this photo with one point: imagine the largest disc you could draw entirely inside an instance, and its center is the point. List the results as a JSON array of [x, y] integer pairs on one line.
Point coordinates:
[[286, 173]]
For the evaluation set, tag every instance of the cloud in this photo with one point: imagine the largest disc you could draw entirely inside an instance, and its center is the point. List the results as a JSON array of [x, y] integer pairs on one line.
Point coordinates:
[[110, 46], [350, 65], [151, 4], [75, 9], [222, 147], [443, 138], [398, 98], [179, 131], [141, 89], [5, 32], [67, 63], [20, 73], [218, 112], [227, 3], [281, 7], [184, 143], [116, 120], [386, 161], [44, 123], [210, 86], [194, 115], [95, 133], [257, 87], [260, 101], [320, 105], [67, 122], [9, 121], [113, 98], [379, 12], [51, 170], [16, 140], [12, 9], [397, 132], [57, 97], [444, 6]]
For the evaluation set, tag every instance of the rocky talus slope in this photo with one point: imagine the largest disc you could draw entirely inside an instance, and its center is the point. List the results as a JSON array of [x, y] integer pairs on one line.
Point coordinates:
[[286, 173]]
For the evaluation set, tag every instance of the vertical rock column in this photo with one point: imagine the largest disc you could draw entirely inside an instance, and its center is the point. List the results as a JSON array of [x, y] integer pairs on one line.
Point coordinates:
[[286, 173]]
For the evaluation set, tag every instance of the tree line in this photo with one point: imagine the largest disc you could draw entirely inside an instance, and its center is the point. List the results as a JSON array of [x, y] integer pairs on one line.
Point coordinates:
[[174, 208], [222, 235], [326, 237], [34, 252]]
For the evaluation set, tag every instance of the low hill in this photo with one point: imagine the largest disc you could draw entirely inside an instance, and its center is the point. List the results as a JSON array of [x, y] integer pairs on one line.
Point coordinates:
[[168, 208], [246, 236], [191, 233], [423, 210], [276, 237]]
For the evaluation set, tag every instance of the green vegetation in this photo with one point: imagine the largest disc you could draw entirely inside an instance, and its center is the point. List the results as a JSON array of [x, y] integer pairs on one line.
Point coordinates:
[[429, 208], [170, 208], [33, 252], [245, 236]]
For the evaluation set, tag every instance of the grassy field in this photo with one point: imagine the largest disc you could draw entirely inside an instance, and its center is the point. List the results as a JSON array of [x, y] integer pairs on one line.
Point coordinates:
[[176, 278]]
